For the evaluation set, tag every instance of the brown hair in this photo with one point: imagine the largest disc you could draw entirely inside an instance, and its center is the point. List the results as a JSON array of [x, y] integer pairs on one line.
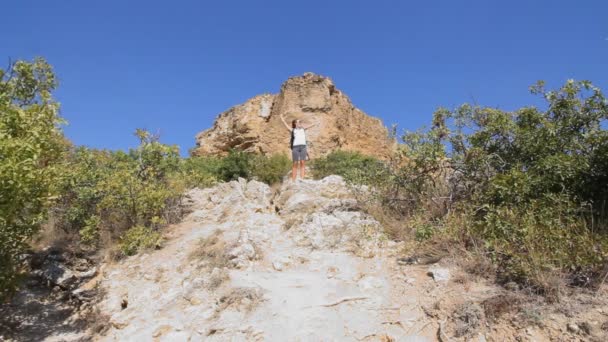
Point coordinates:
[[293, 123]]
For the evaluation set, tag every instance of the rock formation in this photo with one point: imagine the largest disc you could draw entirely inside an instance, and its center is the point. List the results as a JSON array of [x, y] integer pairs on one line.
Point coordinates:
[[256, 126]]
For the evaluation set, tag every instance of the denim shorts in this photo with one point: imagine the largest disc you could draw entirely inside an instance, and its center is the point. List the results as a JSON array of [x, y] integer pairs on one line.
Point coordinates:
[[298, 153]]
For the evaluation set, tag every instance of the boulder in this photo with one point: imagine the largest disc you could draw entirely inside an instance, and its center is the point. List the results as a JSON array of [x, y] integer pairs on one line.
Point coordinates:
[[439, 274], [57, 274]]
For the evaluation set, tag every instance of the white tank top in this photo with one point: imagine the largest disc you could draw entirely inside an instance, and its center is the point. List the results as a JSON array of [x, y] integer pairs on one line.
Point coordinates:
[[299, 137]]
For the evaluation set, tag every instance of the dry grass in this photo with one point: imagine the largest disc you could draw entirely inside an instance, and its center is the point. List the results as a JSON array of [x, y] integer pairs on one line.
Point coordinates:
[[468, 318], [217, 277], [500, 305], [549, 283], [477, 264], [461, 278], [50, 235], [394, 226], [241, 298], [212, 250]]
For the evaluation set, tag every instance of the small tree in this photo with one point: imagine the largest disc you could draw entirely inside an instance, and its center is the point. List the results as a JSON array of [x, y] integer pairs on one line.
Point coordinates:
[[237, 164], [31, 144]]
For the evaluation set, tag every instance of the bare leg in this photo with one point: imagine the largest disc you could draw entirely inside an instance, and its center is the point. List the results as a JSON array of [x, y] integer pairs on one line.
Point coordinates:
[[302, 168], [294, 171]]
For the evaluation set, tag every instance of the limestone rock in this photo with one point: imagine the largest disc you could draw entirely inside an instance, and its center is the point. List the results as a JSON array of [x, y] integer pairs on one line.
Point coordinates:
[[307, 196], [325, 216], [278, 265], [255, 126], [573, 328], [57, 274], [230, 200], [439, 274], [241, 254]]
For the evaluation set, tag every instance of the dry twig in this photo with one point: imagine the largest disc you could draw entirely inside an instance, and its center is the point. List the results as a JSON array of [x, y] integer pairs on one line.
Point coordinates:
[[347, 299]]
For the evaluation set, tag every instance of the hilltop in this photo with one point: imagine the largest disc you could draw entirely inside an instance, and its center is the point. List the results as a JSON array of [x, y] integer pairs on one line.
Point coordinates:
[[255, 126]]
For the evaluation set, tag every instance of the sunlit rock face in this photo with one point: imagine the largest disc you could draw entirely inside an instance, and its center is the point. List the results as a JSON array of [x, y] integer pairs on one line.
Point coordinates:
[[255, 126]]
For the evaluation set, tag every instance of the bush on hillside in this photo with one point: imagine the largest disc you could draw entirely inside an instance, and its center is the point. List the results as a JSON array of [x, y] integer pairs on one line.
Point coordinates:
[[107, 193], [352, 166], [31, 144], [531, 184], [79, 193], [237, 164], [139, 238], [270, 169], [200, 172], [103, 194]]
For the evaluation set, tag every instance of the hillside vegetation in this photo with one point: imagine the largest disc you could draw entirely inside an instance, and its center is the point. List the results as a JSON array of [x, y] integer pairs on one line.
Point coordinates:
[[94, 198], [525, 190]]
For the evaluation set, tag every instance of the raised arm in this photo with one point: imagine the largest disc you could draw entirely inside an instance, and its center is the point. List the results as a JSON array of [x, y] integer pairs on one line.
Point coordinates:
[[311, 126], [285, 123]]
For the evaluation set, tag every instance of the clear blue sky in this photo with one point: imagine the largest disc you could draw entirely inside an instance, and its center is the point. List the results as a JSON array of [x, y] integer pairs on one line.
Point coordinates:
[[172, 66]]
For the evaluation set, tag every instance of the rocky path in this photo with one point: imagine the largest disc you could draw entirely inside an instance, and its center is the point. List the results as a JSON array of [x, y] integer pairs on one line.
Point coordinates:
[[302, 264]]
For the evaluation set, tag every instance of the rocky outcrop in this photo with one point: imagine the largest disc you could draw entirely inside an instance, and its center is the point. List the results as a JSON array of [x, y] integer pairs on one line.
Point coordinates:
[[322, 275], [256, 126]]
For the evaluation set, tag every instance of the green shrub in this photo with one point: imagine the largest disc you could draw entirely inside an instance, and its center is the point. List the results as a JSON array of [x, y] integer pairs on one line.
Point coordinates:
[[111, 192], [31, 145], [206, 171], [78, 188], [424, 232], [544, 235], [139, 238], [106, 193], [89, 233], [270, 169], [200, 172], [353, 166], [236, 164]]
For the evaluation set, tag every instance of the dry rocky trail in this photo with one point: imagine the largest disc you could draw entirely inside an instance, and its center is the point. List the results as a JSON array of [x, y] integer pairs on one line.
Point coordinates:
[[298, 263]]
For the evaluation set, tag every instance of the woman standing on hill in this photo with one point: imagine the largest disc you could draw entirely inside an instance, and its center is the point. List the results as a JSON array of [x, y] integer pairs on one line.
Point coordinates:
[[299, 154]]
